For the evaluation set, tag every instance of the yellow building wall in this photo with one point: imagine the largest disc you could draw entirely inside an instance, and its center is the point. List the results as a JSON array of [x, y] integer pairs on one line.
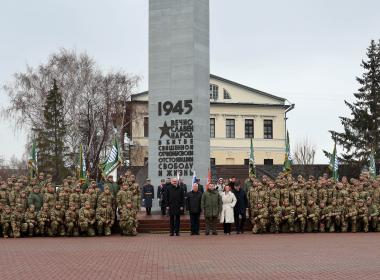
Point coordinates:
[[227, 150]]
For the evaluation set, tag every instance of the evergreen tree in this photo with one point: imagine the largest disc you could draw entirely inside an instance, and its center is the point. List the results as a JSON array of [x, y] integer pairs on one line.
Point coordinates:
[[50, 138], [361, 131]]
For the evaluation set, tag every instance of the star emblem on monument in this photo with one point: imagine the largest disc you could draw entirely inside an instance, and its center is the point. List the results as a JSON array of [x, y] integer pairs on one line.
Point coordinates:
[[165, 130]]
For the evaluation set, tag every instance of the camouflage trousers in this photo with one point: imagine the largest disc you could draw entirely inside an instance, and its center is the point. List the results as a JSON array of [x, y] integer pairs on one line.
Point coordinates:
[[56, 228], [275, 224], [374, 224], [349, 221], [6, 227], [128, 227], [28, 228], [72, 229], [332, 223], [299, 224], [312, 224], [104, 226], [16, 229], [288, 224], [259, 225], [43, 227], [362, 222], [87, 228]]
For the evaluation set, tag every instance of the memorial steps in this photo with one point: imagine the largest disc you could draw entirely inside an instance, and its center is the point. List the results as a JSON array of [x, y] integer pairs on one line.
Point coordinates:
[[160, 224]]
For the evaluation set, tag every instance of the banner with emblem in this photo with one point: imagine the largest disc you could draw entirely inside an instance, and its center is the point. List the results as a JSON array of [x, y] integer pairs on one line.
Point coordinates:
[[113, 161]]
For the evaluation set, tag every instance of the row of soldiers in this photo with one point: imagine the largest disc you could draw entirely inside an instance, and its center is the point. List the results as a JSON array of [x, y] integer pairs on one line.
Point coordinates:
[[77, 207], [290, 204]]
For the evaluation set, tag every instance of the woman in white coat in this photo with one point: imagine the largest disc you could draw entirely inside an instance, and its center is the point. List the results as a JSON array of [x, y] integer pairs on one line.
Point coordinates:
[[227, 214]]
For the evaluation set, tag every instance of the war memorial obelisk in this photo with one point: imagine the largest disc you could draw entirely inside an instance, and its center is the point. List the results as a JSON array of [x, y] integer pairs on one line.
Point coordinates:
[[179, 102]]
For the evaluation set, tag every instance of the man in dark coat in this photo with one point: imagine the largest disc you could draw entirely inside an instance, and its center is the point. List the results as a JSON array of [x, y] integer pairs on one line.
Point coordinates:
[[174, 199], [148, 195], [183, 187], [193, 204], [240, 208], [161, 189]]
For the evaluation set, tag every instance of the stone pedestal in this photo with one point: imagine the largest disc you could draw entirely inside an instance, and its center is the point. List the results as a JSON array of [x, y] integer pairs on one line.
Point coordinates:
[[179, 102]]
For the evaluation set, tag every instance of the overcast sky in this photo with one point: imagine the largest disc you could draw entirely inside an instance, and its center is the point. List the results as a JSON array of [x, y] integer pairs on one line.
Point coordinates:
[[306, 51]]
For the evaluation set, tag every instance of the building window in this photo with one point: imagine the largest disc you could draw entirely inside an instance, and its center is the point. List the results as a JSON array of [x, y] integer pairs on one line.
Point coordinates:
[[230, 128], [146, 127], [214, 91], [246, 161], [268, 161], [226, 94], [212, 128], [212, 161], [249, 128], [268, 129]]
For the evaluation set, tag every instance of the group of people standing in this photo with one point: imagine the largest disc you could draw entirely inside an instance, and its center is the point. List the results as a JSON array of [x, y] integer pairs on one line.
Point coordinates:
[[221, 202], [35, 207]]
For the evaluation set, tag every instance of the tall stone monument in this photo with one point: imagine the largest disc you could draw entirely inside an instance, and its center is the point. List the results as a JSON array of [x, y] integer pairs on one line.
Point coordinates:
[[179, 102]]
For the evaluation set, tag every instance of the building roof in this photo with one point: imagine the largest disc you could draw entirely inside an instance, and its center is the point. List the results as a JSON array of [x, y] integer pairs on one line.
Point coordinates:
[[212, 76], [246, 87]]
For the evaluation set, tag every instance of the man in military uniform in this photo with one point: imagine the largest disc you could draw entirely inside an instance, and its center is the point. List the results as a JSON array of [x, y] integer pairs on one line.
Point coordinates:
[[104, 218], [17, 218], [275, 216], [113, 187], [75, 197], [350, 216], [288, 212], [260, 218], [312, 218], [71, 220], [128, 219], [87, 219], [362, 216], [300, 216], [30, 221], [4, 194], [148, 195], [5, 220], [57, 218], [107, 196], [373, 215], [43, 219]]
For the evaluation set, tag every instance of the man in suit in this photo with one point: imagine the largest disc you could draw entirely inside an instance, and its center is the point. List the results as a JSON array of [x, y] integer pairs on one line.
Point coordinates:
[[174, 199]]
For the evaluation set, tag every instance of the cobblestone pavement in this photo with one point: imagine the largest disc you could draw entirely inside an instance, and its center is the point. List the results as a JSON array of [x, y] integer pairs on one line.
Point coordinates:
[[158, 256]]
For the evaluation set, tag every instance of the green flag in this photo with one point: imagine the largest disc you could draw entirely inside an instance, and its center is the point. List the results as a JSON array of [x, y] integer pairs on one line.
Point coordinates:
[[32, 161], [81, 164], [113, 160], [372, 165], [252, 167], [288, 159], [334, 164]]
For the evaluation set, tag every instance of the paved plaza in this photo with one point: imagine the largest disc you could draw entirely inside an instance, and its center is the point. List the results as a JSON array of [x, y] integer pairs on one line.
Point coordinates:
[[158, 256]]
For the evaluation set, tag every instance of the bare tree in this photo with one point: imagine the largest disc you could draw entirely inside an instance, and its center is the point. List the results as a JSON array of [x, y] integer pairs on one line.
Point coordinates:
[[304, 152], [94, 103]]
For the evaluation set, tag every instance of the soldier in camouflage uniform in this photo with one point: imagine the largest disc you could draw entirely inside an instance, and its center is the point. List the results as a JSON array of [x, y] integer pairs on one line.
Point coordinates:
[[300, 216], [43, 219], [123, 196], [350, 215], [71, 220], [136, 197], [17, 218], [333, 216], [128, 219], [288, 212], [57, 220], [373, 215], [50, 196], [275, 216], [64, 196], [323, 214], [362, 216], [14, 194], [87, 219], [5, 220], [312, 218], [104, 217], [260, 218], [30, 221], [4, 194], [107, 196], [75, 197]]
